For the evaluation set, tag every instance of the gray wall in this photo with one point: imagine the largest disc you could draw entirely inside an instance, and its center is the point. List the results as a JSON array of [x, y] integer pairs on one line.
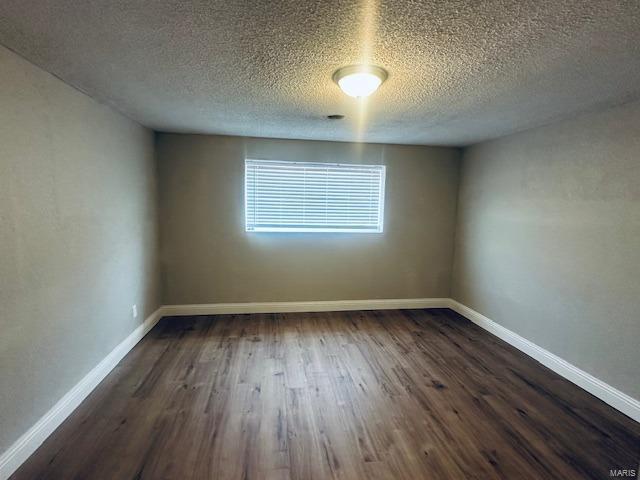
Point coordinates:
[[208, 257], [77, 238], [548, 240]]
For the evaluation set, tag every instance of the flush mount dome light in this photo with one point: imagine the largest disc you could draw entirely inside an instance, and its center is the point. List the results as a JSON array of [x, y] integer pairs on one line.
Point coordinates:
[[360, 80]]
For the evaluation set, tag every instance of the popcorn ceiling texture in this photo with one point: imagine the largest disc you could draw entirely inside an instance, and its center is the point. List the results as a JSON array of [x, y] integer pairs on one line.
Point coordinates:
[[459, 71]]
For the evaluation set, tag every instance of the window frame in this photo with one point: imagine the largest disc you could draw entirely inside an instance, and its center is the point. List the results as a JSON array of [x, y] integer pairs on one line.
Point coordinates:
[[381, 200]]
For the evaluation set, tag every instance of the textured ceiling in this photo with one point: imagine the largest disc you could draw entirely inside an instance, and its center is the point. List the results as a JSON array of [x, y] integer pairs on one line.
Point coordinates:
[[459, 71]]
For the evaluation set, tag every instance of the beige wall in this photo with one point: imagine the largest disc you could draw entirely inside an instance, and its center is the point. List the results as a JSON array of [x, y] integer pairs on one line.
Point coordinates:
[[548, 240], [208, 257], [77, 238]]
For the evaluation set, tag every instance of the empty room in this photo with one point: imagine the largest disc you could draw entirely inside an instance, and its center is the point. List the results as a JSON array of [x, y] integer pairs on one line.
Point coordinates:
[[319, 239]]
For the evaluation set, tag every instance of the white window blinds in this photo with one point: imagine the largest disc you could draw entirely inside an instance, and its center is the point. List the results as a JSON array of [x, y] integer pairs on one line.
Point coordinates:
[[313, 197]]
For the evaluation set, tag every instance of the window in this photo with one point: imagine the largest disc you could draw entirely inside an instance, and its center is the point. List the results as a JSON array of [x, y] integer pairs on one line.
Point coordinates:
[[313, 197]]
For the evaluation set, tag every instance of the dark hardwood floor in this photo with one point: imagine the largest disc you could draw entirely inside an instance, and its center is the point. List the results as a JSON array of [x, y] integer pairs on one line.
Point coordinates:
[[408, 394]]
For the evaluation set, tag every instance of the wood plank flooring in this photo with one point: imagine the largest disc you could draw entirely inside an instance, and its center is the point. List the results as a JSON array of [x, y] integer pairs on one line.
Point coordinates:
[[408, 394]]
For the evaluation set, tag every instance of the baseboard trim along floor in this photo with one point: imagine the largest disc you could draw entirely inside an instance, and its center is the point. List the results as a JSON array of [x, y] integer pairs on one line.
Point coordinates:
[[33, 438], [321, 306], [605, 392], [29, 442]]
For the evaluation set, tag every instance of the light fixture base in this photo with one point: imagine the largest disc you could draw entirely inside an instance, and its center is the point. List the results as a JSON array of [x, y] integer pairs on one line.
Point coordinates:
[[342, 72], [360, 80]]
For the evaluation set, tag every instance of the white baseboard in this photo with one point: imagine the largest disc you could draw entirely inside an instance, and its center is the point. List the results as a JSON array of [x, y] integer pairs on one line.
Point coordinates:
[[33, 438], [323, 306], [605, 392], [22, 449]]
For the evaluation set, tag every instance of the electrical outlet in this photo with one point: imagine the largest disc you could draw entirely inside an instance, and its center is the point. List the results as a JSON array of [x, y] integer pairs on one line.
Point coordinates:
[[134, 311]]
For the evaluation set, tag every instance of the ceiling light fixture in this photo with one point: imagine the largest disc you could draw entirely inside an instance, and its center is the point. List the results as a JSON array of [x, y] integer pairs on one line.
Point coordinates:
[[360, 80]]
